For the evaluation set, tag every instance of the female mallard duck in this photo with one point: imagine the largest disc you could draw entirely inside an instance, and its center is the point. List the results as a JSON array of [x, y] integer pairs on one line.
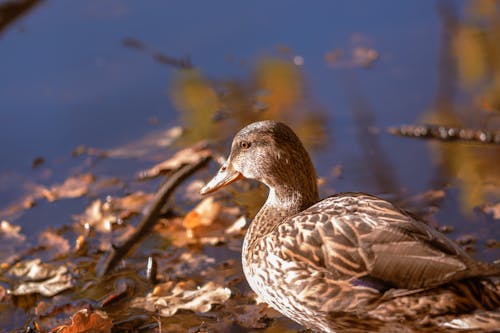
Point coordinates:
[[351, 255]]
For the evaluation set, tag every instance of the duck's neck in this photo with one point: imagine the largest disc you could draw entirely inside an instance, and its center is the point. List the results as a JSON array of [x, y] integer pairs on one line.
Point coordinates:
[[282, 202]]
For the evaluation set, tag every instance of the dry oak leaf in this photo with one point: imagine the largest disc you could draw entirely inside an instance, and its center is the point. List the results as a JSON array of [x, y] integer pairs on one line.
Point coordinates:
[[190, 155], [42, 278], [198, 299], [87, 321]]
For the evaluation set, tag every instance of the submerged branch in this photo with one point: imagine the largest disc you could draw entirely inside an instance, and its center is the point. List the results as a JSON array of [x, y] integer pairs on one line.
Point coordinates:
[[116, 253], [445, 133]]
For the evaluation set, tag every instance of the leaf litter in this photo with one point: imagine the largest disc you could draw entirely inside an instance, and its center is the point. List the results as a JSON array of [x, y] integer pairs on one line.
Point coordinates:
[[38, 277], [168, 298]]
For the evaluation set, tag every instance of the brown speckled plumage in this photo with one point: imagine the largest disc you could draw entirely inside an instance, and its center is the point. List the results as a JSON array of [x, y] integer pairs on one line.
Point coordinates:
[[352, 255]]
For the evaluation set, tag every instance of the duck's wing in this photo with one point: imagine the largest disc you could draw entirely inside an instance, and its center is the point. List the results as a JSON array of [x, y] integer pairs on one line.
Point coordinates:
[[367, 240]]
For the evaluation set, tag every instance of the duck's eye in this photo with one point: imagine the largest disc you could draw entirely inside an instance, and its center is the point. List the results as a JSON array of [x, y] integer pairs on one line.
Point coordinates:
[[244, 144]]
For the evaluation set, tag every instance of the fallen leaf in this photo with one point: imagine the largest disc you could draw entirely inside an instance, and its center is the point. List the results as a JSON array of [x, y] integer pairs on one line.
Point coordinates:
[[131, 204], [185, 264], [3, 293], [359, 56], [251, 315], [72, 187], [11, 241], [146, 146], [364, 56], [38, 277], [183, 296], [191, 155], [14, 209], [87, 321], [493, 209], [11, 231], [57, 243], [37, 162], [192, 192], [99, 215], [204, 214], [237, 227]]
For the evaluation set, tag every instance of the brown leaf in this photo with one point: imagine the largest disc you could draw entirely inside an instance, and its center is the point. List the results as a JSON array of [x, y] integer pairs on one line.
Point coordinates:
[[251, 315], [204, 214], [493, 209], [183, 296], [131, 204], [11, 231], [237, 227], [87, 321], [72, 187], [38, 277], [185, 156], [11, 240], [185, 264], [17, 207], [192, 192], [54, 241], [99, 215]]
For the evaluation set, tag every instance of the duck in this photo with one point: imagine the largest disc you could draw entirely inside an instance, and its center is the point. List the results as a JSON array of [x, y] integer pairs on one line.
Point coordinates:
[[351, 258]]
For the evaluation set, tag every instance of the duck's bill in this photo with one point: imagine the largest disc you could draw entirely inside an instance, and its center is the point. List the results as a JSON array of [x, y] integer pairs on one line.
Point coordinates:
[[224, 177]]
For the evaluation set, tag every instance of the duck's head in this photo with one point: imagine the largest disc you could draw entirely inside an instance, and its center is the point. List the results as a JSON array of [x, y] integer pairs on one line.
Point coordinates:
[[269, 152]]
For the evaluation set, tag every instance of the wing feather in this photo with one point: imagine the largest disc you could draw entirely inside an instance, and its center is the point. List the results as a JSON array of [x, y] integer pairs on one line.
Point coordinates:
[[353, 235]]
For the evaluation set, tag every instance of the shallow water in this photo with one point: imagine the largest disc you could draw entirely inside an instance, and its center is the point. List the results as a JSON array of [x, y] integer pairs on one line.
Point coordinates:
[[103, 74]]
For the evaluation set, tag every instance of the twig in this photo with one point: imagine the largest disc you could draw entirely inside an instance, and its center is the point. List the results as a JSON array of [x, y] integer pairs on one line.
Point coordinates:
[[150, 218], [445, 133]]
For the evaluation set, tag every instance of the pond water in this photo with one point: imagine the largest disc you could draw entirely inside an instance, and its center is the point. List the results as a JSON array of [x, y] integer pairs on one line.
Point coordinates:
[[105, 74]]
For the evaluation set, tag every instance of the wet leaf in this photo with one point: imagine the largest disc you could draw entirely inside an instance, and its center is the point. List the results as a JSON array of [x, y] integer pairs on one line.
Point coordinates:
[[184, 265], [99, 215], [237, 227], [182, 296], [364, 56], [191, 155], [493, 209], [11, 231], [55, 242], [359, 56], [72, 187], [87, 321], [13, 210], [11, 239], [204, 214], [251, 315], [131, 204], [193, 190], [38, 277], [148, 145]]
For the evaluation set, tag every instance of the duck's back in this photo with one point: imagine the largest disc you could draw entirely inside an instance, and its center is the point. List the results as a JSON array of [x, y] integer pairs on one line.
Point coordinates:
[[356, 234]]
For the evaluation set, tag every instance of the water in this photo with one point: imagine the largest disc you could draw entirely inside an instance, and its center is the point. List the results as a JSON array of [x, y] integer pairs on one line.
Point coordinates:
[[89, 74]]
